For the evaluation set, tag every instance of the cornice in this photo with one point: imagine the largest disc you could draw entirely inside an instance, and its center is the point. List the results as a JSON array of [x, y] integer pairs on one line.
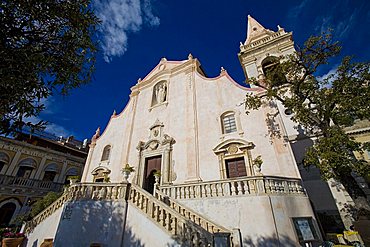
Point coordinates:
[[36, 151], [166, 74]]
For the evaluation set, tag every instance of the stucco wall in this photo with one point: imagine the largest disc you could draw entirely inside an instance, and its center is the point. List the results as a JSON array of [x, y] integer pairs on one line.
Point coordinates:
[[191, 116], [261, 219], [86, 222], [46, 229], [141, 231]]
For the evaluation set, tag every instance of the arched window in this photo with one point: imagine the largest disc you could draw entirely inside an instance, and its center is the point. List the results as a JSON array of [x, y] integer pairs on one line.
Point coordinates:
[[106, 153], [50, 172], [228, 122], [70, 172], [7, 212], [4, 160], [26, 166], [272, 69]]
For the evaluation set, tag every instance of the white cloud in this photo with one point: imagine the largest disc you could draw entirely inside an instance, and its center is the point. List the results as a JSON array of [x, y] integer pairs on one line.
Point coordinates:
[[342, 26], [119, 18], [51, 128], [296, 10], [329, 75]]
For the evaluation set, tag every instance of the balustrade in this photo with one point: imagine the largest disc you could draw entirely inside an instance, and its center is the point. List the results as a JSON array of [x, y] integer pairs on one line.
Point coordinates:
[[85, 191], [262, 41], [186, 225], [255, 185], [29, 183]]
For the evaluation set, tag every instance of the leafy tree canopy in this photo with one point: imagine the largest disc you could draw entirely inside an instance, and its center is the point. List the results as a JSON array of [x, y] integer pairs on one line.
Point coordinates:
[[322, 106], [45, 47]]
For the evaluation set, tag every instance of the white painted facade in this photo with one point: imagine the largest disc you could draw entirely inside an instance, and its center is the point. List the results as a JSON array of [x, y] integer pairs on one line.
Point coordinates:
[[178, 115]]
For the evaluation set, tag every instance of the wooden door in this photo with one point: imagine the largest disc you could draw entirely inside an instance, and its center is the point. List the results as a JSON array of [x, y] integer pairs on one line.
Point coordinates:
[[236, 168], [152, 164]]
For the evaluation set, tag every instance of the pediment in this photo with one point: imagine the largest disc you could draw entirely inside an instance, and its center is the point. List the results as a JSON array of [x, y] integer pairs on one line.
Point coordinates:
[[101, 170], [228, 145], [162, 67]]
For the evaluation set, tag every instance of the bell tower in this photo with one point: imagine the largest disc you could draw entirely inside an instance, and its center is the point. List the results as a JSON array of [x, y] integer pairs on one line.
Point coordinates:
[[263, 48]]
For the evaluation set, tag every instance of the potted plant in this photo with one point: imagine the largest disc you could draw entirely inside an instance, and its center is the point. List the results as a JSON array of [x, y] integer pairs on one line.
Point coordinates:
[[73, 179], [11, 238], [126, 171], [157, 174]]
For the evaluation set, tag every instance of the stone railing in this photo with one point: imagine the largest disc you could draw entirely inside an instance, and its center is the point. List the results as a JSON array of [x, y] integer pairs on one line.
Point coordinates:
[[263, 41], [29, 183], [256, 185], [99, 191], [81, 191], [184, 225]]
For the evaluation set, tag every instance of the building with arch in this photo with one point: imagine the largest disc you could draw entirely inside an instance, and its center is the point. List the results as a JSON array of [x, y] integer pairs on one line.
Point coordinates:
[[203, 173], [30, 167]]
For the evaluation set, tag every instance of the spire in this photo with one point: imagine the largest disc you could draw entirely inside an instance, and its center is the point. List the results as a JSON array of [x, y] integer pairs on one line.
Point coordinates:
[[255, 30]]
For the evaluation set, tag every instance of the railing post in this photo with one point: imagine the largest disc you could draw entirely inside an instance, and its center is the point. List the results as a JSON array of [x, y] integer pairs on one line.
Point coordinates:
[[221, 239]]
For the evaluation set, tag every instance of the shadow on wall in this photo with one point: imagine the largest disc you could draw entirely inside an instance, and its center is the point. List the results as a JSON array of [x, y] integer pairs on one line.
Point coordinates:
[[270, 242], [131, 240], [84, 223]]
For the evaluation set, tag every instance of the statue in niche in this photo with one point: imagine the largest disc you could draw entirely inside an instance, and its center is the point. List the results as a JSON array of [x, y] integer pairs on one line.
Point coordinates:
[[160, 93]]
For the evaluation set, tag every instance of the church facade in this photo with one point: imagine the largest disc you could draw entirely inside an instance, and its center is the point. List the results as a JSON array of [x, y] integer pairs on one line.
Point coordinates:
[[198, 170]]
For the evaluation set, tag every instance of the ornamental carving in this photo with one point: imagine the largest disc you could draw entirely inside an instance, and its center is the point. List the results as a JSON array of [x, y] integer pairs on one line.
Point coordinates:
[[232, 149], [156, 139]]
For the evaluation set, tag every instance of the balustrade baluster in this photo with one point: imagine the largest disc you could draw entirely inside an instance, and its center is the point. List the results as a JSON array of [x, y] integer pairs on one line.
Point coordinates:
[[233, 189], [208, 190], [192, 191], [168, 221], [174, 225], [162, 217], [213, 190]]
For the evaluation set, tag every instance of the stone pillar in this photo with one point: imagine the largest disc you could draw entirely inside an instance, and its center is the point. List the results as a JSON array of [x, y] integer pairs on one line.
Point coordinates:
[[39, 169], [88, 162], [221, 158], [13, 164], [166, 167], [248, 163], [62, 172], [191, 121]]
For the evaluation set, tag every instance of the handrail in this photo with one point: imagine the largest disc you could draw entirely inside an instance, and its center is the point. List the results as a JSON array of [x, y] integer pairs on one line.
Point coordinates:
[[190, 214], [80, 191], [254, 185], [30, 183], [182, 227], [30, 225]]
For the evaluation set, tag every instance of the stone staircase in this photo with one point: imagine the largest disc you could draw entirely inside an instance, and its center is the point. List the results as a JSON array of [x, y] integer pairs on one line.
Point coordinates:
[[184, 225]]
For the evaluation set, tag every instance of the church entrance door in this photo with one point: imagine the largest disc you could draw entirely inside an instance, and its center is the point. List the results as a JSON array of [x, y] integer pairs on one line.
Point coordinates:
[[152, 165]]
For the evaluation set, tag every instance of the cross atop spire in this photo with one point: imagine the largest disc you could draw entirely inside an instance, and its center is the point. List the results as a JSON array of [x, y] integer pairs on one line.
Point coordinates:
[[255, 30]]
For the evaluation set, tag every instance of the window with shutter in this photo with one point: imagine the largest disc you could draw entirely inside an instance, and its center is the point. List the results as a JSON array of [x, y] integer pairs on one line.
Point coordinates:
[[235, 167], [228, 123]]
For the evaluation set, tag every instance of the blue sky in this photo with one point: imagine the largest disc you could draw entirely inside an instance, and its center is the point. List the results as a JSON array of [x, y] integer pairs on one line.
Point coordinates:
[[136, 34]]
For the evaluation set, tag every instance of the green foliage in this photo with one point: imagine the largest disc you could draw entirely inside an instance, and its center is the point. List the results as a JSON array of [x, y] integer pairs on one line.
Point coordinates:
[[43, 203], [128, 168], [322, 106], [46, 47], [76, 177]]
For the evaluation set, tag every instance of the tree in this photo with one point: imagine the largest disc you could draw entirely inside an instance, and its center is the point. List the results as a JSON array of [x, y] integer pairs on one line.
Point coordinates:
[[44, 202], [323, 107], [45, 47]]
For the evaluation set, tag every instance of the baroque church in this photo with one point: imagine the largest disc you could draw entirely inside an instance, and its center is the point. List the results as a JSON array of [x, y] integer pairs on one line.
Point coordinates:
[[184, 165]]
